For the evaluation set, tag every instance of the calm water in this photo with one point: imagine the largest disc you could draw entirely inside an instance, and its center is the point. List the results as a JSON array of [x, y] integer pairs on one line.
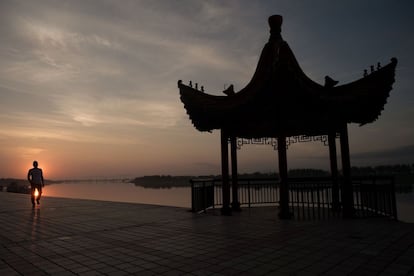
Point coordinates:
[[121, 192], [179, 196]]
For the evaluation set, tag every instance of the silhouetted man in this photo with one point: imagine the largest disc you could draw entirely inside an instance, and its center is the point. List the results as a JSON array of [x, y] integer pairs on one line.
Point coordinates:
[[35, 177]]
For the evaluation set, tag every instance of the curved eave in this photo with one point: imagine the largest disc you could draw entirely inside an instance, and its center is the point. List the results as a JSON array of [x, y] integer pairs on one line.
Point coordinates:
[[297, 105], [363, 100]]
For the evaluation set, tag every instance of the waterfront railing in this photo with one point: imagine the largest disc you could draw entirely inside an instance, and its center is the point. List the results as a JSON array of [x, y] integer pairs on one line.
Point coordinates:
[[309, 197]]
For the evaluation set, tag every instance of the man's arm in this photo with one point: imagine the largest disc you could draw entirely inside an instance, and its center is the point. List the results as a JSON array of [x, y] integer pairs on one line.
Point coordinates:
[[29, 176], [41, 177]]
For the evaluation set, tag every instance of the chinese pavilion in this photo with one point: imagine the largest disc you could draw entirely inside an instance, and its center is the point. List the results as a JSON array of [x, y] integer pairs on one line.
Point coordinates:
[[280, 101]]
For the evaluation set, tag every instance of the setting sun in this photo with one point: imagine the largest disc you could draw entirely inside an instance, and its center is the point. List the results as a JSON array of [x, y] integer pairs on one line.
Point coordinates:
[[36, 193]]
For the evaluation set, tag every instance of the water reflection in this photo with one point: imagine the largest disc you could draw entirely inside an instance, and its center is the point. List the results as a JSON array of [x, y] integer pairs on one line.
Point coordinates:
[[404, 188], [121, 191], [405, 207], [35, 222]]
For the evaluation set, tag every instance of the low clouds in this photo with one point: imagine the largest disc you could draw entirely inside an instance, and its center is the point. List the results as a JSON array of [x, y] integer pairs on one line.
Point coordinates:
[[396, 155]]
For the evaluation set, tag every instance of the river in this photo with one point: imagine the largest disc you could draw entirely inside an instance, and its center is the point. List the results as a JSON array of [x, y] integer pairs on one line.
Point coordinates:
[[121, 192], [177, 196]]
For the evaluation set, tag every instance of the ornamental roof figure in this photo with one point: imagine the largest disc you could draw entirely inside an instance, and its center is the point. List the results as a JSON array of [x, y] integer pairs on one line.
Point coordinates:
[[281, 100]]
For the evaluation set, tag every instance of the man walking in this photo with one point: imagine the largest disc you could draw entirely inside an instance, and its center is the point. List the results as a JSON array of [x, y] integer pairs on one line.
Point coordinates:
[[35, 177]]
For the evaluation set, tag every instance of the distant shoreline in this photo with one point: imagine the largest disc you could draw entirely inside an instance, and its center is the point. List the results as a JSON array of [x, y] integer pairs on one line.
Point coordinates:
[[404, 176]]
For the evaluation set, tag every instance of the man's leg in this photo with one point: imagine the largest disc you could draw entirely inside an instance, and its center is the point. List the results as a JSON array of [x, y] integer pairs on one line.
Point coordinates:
[[39, 190], [32, 194]]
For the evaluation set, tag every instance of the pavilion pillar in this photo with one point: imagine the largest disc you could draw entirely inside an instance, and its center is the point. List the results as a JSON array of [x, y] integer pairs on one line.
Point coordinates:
[[347, 189], [225, 210], [334, 170], [283, 174], [235, 205]]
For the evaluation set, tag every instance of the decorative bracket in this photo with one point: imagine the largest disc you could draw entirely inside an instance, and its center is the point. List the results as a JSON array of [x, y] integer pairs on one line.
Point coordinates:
[[289, 140]]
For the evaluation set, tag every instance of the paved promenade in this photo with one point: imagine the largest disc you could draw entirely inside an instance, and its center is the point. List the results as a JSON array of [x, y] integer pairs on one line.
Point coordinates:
[[84, 237]]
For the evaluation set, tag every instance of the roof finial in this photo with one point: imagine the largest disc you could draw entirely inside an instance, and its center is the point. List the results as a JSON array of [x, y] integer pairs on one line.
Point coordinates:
[[275, 23]]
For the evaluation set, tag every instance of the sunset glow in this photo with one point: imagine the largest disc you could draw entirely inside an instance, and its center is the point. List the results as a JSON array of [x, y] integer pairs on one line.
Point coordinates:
[[89, 88]]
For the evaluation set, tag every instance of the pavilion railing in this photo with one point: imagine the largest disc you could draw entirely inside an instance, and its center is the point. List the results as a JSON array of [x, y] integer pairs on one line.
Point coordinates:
[[312, 197], [308, 197], [375, 196]]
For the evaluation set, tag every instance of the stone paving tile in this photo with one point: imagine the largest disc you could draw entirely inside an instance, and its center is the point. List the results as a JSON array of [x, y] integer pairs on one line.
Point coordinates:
[[85, 237]]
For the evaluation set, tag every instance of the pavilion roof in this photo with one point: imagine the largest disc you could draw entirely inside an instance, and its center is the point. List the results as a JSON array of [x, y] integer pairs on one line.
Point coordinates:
[[281, 100]]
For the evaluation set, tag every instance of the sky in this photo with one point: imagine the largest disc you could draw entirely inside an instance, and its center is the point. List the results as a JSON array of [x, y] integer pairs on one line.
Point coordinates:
[[89, 88]]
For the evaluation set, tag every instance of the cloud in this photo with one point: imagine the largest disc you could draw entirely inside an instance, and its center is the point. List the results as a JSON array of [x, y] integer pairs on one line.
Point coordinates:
[[90, 110], [102, 73]]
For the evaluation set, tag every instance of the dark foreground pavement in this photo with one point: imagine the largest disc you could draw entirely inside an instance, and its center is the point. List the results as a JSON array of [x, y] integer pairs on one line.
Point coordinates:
[[84, 237]]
